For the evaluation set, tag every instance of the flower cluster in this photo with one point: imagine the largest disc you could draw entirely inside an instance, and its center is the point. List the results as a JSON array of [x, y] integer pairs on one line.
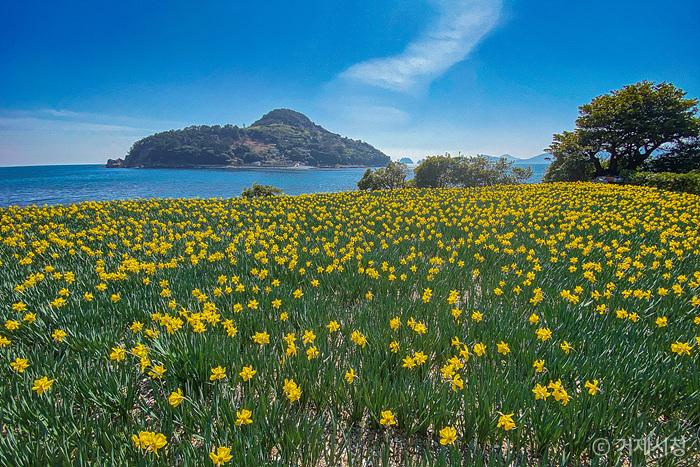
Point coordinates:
[[460, 322]]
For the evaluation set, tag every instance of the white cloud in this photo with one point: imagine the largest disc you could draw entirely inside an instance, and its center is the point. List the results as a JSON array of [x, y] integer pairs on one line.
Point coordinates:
[[356, 113], [447, 40], [373, 115]]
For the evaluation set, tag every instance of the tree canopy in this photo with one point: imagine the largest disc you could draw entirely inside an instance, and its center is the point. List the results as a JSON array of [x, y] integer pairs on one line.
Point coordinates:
[[386, 178], [679, 158], [257, 191], [619, 131], [572, 160], [447, 171]]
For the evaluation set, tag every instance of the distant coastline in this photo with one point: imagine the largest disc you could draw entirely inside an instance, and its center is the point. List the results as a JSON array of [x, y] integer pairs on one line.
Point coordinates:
[[65, 184], [244, 167]]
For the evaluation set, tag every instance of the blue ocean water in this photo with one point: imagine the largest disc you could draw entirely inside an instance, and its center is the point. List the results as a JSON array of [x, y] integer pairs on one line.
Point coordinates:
[[62, 184]]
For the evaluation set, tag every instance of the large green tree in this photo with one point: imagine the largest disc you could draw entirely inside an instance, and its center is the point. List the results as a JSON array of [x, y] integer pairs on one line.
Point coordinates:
[[622, 129]]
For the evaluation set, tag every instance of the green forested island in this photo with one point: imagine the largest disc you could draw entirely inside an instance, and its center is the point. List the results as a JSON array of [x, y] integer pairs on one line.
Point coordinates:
[[281, 138]]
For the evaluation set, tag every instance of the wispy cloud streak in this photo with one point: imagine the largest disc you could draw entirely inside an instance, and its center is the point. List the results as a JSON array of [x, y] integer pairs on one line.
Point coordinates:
[[447, 40], [51, 136]]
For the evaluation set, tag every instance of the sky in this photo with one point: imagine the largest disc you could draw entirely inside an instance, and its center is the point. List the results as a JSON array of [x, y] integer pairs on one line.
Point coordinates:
[[82, 81]]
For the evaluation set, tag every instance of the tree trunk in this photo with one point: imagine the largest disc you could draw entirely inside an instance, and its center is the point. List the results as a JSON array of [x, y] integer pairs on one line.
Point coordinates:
[[613, 164], [598, 167]]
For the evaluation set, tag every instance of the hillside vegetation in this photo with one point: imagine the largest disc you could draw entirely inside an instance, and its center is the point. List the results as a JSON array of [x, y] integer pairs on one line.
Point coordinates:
[[280, 138]]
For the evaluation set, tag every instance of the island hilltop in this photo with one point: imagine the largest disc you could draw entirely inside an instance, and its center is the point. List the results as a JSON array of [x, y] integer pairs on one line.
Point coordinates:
[[281, 138]]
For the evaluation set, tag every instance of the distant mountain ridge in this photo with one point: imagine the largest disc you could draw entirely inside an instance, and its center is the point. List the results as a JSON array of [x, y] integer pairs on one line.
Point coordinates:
[[281, 138], [544, 158]]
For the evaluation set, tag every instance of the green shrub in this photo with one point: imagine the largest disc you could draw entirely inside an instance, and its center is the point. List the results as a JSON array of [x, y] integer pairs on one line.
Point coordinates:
[[447, 171], [257, 190], [684, 182], [387, 178]]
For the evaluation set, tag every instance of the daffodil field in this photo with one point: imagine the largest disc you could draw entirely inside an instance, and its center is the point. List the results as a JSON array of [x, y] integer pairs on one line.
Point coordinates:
[[514, 324]]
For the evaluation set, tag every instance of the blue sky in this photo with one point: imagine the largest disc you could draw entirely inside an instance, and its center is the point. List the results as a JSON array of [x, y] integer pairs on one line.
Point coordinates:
[[81, 81]]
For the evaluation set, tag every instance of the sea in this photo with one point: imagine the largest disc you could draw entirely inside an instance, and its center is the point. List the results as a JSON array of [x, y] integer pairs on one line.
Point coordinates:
[[65, 184]]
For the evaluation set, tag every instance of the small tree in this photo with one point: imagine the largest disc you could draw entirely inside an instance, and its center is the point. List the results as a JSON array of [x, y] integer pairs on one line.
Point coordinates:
[[387, 178], [256, 191], [435, 171], [572, 162], [367, 181]]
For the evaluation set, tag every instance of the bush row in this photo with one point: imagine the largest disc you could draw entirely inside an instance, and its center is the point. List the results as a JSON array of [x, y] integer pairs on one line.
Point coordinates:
[[684, 182]]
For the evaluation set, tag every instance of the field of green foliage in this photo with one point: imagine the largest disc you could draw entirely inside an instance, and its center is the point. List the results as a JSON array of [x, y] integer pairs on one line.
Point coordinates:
[[551, 324]]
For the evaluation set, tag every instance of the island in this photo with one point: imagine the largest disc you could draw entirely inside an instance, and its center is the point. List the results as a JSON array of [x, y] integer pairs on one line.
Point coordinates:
[[406, 160], [281, 138]]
